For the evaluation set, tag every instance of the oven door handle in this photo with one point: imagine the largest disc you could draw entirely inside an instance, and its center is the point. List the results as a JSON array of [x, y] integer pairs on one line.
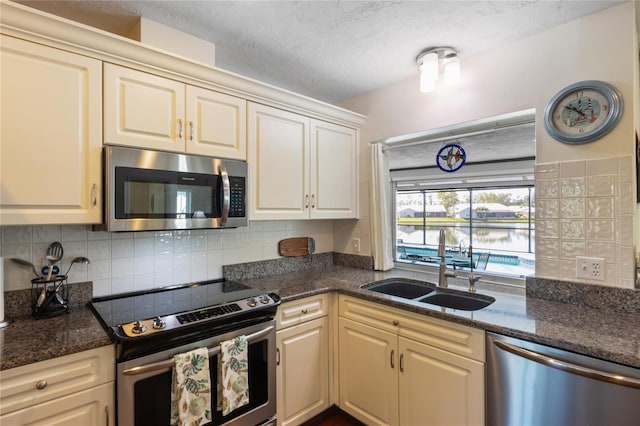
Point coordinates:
[[162, 365]]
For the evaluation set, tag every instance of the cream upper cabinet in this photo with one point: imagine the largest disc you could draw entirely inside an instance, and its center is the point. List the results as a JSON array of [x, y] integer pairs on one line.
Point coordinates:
[[334, 171], [216, 124], [278, 164], [302, 371], [300, 168], [50, 144], [401, 368], [147, 111], [143, 110]]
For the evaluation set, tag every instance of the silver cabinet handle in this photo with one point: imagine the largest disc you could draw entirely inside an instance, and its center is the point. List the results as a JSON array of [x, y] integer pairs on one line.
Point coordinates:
[[226, 194], [94, 194], [391, 359], [169, 363], [180, 128], [313, 201], [41, 384], [401, 362], [306, 201], [277, 356], [190, 130], [569, 367]]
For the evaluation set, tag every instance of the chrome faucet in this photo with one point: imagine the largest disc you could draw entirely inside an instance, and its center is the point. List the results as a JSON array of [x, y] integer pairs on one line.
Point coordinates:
[[443, 273], [472, 277]]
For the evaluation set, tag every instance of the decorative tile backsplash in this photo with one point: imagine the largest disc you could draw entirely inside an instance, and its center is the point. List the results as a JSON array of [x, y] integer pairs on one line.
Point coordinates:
[[129, 261], [586, 208]]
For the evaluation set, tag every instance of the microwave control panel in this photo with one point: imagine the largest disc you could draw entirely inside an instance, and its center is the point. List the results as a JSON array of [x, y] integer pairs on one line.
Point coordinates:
[[237, 196]]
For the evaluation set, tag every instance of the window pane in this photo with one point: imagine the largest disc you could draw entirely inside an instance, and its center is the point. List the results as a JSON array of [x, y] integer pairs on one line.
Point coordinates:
[[495, 221]]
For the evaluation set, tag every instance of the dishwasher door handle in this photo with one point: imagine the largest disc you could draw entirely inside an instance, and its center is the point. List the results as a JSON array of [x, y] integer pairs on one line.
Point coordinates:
[[569, 367], [162, 365]]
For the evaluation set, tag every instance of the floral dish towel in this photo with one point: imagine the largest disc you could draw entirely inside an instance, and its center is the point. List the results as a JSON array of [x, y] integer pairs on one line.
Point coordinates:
[[233, 383], [191, 389]]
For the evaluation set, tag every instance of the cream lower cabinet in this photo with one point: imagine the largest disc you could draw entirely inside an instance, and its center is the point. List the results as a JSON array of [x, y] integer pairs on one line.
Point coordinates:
[[50, 135], [399, 368], [148, 111], [302, 372], [300, 168], [76, 389]]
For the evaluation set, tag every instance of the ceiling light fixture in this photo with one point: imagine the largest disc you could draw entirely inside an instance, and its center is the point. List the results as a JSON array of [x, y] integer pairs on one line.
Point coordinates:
[[435, 61]]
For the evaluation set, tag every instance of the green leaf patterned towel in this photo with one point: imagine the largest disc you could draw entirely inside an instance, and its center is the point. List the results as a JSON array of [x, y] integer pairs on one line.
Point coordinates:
[[191, 389], [233, 383]]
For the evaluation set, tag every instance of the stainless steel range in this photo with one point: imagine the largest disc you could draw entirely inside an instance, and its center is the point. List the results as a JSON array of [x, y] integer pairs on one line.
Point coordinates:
[[149, 328]]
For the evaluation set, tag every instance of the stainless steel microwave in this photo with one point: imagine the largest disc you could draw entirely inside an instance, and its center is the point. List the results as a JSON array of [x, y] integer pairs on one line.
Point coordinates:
[[151, 190]]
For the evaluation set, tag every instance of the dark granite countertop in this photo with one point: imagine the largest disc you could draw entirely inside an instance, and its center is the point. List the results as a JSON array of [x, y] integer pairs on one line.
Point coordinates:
[[598, 333], [28, 340]]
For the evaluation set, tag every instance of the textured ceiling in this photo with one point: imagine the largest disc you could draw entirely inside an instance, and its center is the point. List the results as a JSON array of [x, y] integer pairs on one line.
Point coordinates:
[[332, 50]]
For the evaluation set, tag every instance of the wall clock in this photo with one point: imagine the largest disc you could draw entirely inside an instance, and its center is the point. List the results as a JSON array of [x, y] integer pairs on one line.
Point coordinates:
[[583, 112]]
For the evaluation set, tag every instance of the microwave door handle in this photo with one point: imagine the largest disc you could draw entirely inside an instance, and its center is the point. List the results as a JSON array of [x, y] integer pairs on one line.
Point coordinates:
[[226, 194], [215, 350]]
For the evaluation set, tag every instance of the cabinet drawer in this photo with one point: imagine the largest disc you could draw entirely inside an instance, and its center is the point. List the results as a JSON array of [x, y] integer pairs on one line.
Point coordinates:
[[452, 337], [297, 311], [56, 377], [91, 407]]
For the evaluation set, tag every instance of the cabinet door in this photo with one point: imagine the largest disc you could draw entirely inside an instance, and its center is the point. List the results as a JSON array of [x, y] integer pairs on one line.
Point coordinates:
[[91, 407], [50, 143], [438, 387], [216, 124], [278, 164], [334, 171], [143, 110], [302, 378], [368, 362]]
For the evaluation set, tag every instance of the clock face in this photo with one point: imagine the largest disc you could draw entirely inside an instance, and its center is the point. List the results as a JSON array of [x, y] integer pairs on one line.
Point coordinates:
[[580, 112], [583, 112]]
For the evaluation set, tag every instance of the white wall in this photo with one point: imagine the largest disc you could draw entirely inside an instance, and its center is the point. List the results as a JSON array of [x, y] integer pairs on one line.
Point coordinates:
[[526, 74]]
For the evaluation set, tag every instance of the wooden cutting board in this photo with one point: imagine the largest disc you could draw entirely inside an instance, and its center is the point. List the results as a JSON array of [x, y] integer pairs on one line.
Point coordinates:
[[299, 246]]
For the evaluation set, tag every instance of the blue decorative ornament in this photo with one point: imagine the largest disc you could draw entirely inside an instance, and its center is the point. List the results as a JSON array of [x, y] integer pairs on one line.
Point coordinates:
[[451, 158]]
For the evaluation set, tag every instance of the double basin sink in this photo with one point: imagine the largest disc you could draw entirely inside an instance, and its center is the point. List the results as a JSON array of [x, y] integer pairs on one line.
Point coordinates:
[[429, 293]]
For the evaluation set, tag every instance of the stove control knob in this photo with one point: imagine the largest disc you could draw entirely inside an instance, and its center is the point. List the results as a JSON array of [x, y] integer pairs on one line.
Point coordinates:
[[252, 302], [159, 323], [138, 327], [264, 299]]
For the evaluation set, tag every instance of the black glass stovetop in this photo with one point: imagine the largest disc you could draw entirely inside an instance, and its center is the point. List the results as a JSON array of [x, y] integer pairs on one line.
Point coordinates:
[[126, 308]]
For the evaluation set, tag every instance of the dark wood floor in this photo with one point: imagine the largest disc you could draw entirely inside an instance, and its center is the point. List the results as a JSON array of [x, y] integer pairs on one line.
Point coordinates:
[[333, 417]]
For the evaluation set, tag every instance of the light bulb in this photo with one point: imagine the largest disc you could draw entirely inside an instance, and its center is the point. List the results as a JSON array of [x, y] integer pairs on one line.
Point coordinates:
[[428, 72], [452, 69]]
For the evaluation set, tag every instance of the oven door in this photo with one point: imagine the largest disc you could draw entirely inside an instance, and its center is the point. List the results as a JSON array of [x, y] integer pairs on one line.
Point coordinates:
[[144, 384]]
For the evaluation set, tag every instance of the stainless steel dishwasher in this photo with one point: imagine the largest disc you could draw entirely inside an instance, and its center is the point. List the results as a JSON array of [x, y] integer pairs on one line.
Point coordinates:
[[531, 384]]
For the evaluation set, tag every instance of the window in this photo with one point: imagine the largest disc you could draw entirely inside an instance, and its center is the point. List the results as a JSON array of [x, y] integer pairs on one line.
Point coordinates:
[[498, 222]]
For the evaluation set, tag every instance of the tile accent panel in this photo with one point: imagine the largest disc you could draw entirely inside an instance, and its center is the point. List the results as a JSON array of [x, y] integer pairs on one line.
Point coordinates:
[[586, 208]]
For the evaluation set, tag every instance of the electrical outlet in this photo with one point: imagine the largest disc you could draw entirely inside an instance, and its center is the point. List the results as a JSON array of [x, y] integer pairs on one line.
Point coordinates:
[[591, 268], [356, 245]]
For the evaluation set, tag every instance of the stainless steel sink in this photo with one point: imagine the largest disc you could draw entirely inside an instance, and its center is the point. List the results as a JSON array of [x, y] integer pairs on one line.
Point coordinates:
[[401, 288], [463, 302], [428, 293]]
